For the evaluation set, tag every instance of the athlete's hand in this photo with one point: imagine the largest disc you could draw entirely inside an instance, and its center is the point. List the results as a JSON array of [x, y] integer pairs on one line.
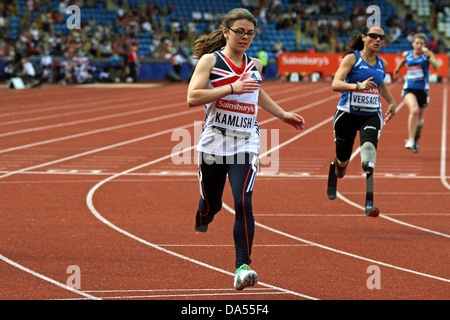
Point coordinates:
[[245, 86], [395, 75], [294, 120], [426, 51], [390, 113], [367, 84]]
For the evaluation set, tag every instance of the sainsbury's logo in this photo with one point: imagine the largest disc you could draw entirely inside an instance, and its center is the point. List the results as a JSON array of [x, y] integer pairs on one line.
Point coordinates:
[[235, 106]]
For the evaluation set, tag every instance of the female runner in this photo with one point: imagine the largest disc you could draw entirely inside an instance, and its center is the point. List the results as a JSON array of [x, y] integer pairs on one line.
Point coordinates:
[[415, 90], [360, 78], [227, 82]]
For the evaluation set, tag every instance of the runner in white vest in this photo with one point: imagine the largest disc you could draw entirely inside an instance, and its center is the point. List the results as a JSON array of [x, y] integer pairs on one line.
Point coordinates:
[[228, 83]]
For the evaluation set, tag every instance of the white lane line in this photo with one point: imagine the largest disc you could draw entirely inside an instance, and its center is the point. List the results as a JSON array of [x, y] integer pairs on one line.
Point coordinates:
[[86, 133], [232, 245], [340, 196], [75, 103], [121, 126], [157, 160], [93, 151], [40, 276], [392, 219], [109, 107], [340, 251], [165, 296], [84, 121], [200, 262], [263, 175], [444, 140], [90, 204], [173, 290]]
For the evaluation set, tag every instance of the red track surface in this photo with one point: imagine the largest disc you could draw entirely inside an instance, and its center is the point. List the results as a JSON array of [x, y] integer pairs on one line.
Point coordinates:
[[87, 179]]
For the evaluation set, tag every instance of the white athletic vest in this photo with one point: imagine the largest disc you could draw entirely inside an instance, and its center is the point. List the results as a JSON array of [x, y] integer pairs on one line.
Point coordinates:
[[230, 125]]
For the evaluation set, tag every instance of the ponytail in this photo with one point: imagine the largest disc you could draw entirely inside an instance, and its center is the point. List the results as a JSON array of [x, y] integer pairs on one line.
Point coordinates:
[[209, 43], [356, 42], [216, 40]]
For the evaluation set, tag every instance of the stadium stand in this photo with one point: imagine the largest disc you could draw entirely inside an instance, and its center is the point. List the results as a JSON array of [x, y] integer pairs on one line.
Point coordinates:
[[161, 28]]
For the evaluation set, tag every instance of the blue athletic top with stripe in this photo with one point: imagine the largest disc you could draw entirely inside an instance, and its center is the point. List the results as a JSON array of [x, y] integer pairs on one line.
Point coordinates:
[[417, 72], [363, 102]]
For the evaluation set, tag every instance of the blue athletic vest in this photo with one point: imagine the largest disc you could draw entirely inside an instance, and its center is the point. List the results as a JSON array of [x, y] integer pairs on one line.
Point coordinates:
[[363, 102], [417, 72]]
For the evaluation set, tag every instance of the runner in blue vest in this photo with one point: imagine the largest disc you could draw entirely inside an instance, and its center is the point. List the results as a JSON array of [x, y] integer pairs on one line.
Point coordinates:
[[416, 88], [360, 79]]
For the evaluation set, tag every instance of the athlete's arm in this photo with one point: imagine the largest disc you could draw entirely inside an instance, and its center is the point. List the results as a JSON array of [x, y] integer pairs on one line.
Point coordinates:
[[400, 65], [267, 103], [386, 94], [345, 67], [430, 56], [272, 107], [198, 94]]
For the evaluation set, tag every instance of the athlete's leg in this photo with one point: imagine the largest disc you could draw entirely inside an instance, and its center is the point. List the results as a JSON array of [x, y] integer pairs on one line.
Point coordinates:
[[420, 124], [369, 134], [242, 178], [423, 99], [344, 137], [344, 134], [212, 172], [413, 118]]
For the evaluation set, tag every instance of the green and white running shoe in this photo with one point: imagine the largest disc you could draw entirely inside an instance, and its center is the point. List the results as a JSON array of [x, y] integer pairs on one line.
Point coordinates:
[[245, 277]]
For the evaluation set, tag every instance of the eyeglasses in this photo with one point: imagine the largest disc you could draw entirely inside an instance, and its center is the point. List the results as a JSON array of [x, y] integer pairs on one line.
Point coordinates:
[[376, 36], [242, 33]]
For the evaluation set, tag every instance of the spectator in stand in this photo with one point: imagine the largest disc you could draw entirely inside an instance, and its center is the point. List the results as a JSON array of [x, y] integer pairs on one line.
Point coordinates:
[[207, 16], [117, 67], [278, 47], [66, 71], [147, 26], [394, 34], [133, 63], [196, 15], [28, 73], [432, 44], [442, 46], [177, 61], [3, 22], [45, 68], [8, 71], [106, 49], [264, 57]]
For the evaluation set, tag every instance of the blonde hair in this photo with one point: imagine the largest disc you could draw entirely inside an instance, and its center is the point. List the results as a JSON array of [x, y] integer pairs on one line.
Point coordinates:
[[216, 40], [421, 36]]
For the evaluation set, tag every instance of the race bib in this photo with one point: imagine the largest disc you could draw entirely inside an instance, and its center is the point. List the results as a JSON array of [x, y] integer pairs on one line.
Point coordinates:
[[415, 73], [365, 101], [233, 118]]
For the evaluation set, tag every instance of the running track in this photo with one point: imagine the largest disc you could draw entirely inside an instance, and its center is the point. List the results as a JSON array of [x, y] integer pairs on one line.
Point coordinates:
[[91, 177]]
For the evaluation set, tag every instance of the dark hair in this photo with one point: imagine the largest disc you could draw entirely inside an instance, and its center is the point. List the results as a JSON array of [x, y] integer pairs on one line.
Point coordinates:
[[356, 42], [216, 40]]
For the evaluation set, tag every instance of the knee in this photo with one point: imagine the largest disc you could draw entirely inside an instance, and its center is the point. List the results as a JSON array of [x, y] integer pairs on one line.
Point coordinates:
[[414, 111], [209, 207], [368, 156], [243, 204]]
